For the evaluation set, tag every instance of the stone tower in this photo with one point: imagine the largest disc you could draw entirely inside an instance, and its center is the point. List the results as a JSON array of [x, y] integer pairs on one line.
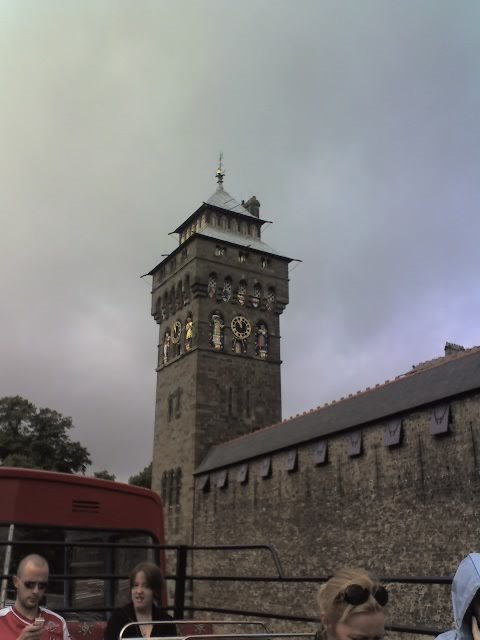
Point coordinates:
[[217, 299]]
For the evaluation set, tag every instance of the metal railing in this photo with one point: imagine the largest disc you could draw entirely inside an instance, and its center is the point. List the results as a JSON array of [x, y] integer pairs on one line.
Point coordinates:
[[182, 578]]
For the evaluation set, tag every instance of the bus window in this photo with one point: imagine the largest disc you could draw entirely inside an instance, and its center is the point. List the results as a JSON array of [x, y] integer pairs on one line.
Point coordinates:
[[91, 590], [124, 560]]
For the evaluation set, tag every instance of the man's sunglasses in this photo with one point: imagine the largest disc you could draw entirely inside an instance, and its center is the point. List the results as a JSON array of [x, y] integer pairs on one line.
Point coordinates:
[[356, 594], [30, 584]]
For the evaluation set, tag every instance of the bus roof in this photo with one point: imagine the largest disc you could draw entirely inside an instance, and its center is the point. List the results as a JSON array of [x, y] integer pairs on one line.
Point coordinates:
[[37, 497]]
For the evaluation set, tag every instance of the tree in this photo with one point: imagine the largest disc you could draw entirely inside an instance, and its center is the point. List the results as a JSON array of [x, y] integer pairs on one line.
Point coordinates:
[[38, 438], [143, 479], [104, 475]]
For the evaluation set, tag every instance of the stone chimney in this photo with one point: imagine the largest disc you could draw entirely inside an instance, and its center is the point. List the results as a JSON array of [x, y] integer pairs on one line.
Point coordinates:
[[452, 349], [252, 206]]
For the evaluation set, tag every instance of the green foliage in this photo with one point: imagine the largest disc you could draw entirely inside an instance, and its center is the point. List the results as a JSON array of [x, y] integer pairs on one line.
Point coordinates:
[[104, 475], [143, 479], [38, 438]]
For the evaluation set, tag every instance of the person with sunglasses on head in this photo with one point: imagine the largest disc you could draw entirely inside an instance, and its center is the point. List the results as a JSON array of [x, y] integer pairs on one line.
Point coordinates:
[[352, 605], [26, 619], [465, 601]]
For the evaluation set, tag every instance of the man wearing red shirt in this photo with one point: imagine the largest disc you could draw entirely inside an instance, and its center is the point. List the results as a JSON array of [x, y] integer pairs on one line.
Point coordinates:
[[27, 620]]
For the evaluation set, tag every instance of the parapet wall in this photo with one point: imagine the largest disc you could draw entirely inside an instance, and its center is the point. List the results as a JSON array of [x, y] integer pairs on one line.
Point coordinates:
[[409, 510]]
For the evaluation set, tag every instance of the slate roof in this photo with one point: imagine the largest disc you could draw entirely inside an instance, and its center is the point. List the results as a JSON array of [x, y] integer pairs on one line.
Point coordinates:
[[224, 200], [452, 377], [233, 237]]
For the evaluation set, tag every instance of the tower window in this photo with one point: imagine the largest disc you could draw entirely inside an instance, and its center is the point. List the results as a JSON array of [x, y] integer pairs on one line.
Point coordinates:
[[257, 295], [170, 408], [270, 300], [178, 403], [220, 251], [242, 292], [178, 486], [265, 262], [242, 256], [212, 285], [227, 289]]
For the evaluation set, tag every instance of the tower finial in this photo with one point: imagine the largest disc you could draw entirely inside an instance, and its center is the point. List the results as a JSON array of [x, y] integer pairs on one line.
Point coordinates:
[[220, 171]]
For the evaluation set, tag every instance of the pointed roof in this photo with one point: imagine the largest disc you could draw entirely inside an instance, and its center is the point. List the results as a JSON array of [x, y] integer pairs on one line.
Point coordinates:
[[223, 200]]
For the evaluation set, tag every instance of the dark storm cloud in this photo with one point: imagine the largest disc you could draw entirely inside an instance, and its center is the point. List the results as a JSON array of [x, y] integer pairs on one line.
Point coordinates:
[[355, 124]]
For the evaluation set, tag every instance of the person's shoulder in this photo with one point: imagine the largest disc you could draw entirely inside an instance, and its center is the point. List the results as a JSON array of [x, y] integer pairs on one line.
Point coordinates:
[[48, 613], [5, 611], [447, 635]]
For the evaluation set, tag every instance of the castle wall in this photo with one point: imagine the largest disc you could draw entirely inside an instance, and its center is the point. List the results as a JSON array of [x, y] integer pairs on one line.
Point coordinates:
[[406, 510]]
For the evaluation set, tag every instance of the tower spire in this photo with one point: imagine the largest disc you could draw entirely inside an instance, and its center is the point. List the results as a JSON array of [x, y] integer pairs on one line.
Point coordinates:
[[220, 172]]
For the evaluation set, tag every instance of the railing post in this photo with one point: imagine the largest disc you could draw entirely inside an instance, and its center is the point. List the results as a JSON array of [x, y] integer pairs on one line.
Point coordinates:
[[180, 580]]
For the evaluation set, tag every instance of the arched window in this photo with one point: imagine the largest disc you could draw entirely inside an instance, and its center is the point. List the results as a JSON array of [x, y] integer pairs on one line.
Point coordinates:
[[164, 487], [186, 291], [203, 219], [244, 228], [242, 292], [171, 302], [212, 285], [178, 486], [217, 331], [223, 222], [227, 289], [171, 484], [179, 298], [270, 300], [213, 220], [257, 295], [261, 340]]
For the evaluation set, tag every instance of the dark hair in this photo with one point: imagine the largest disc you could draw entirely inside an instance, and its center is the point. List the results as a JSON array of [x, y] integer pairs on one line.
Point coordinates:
[[153, 578]]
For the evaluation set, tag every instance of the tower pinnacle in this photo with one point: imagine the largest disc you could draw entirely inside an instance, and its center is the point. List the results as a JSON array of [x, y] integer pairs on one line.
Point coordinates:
[[220, 172]]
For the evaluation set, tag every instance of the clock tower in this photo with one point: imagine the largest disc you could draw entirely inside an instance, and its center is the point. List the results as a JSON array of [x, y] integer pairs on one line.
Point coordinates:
[[217, 299]]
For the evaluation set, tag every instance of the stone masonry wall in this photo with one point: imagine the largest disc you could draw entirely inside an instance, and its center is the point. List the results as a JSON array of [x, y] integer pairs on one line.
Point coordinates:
[[408, 510]]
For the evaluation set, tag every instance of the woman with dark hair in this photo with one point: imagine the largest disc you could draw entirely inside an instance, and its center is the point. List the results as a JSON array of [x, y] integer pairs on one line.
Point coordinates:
[[146, 582], [352, 605]]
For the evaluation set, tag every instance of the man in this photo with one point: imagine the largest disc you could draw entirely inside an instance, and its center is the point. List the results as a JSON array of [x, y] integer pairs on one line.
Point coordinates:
[[27, 620], [465, 600]]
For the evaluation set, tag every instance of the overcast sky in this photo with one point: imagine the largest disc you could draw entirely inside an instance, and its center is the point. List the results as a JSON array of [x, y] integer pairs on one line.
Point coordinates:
[[356, 125]]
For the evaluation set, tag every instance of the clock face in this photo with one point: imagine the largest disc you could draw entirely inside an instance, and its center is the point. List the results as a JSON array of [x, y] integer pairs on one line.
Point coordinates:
[[177, 331], [241, 327]]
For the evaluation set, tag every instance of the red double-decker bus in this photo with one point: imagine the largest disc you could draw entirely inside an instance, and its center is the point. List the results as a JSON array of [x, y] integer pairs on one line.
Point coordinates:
[[66, 511]]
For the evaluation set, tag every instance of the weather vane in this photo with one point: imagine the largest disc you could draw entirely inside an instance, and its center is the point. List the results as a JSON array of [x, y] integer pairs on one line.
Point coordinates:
[[220, 171]]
